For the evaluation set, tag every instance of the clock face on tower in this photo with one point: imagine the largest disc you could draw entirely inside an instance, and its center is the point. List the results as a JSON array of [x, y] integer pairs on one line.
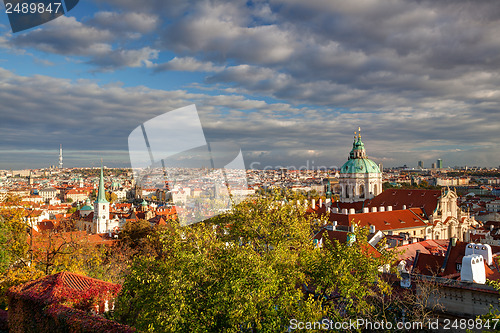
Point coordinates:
[[104, 217]]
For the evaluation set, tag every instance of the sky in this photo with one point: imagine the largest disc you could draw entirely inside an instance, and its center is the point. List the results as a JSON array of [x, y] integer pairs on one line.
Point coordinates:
[[289, 81]]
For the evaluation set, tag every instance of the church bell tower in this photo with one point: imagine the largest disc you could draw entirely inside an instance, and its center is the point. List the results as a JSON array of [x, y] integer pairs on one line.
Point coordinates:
[[101, 208]]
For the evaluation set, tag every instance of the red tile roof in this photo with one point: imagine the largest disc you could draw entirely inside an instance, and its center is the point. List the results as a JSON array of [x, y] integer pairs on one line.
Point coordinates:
[[428, 264], [446, 266], [425, 199], [341, 236], [427, 247], [393, 220], [66, 286]]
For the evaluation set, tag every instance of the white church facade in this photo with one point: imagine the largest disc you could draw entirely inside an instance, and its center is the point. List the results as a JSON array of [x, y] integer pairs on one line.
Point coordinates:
[[96, 219]]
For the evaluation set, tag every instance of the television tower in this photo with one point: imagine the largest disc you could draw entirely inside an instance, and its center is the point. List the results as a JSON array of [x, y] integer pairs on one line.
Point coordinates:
[[60, 157]]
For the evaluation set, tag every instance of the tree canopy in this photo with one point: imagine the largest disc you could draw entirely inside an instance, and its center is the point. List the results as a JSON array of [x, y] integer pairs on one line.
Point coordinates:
[[248, 270]]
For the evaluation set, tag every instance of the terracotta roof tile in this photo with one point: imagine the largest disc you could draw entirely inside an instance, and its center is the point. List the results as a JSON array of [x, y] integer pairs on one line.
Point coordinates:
[[393, 220], [65, 285], [428, 264], [425, 199]]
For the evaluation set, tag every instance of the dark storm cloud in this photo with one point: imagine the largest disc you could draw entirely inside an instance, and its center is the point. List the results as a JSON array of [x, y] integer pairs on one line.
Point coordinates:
[[420, 76], [96, 119], [372, 54], [67, 36]]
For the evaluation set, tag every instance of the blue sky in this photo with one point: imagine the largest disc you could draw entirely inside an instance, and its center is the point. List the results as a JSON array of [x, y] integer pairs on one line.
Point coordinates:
[[289, 81]]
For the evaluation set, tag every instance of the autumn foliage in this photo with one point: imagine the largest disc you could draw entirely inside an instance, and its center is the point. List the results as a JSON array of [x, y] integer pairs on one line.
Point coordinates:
[[63, 302]]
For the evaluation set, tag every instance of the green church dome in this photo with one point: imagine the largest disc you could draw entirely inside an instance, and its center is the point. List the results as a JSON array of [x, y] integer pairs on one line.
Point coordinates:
[[360, 165], [87, 206]]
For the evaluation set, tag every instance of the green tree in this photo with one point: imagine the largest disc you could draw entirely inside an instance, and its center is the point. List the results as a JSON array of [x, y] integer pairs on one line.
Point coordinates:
[[245, 271], [71, 210], [351, 271], [14, 247], [13, 231], [4, 251], [134, 233], [111, 197], [423, 184]]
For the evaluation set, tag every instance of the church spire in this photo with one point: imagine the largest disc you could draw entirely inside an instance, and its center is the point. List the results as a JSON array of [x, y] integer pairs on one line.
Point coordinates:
[[101, 195], [358, 147]]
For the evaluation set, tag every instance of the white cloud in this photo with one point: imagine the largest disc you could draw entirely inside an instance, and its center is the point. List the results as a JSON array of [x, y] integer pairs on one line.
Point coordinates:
[[126, 58], [66, 36], [120, 23], [188, 64]]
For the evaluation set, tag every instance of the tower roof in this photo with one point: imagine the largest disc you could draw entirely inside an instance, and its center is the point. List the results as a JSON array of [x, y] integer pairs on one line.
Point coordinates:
[[358, 162], [360, 165], [101, 196], [87, 206]]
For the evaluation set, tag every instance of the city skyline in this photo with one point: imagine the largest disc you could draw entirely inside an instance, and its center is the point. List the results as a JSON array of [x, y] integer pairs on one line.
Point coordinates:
[[288, 81]]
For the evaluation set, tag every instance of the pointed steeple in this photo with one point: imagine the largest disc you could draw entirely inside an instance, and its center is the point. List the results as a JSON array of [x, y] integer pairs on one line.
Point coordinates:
[[101, 195], [358, 147]]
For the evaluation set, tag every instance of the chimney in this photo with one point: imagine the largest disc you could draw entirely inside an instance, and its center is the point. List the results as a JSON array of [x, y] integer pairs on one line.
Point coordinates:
[[352, 211], [404, 207], [374, 209], [328, 209], [344, 211], [473, 269], [366, 209], [381, 209], [313, 204], [389, 208], [335, 210], [334, 225], [372, 229], [320, 203], [483, 250]]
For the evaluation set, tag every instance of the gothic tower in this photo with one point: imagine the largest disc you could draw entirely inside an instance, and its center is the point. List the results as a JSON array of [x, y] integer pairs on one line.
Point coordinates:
[[101, 208]]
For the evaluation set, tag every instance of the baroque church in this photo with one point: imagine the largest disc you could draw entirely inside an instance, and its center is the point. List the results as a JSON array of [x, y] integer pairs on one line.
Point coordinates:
[[360, 177], [414, 214]]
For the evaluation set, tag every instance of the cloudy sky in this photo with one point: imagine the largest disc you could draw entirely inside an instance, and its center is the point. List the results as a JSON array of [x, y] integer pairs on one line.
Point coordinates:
[[287, 80]]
